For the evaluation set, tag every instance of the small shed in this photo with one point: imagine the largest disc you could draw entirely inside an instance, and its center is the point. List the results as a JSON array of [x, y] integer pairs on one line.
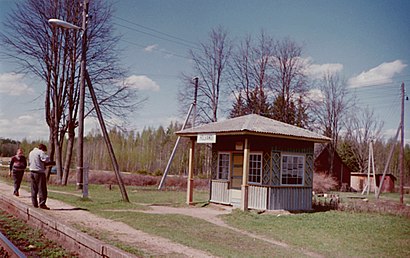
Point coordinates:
[[359, 181], [257, 163], [340, 171]]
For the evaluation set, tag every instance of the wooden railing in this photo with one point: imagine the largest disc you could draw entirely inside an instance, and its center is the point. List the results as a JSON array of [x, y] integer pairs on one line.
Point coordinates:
[[220, 192]]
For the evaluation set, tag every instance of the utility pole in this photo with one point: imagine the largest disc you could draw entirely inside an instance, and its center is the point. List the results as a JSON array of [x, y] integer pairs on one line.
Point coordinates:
[[402, 146], [80, 149], [195, 99]]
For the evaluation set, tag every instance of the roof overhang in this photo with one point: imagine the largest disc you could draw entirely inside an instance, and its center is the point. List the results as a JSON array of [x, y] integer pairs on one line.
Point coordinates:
[[250, 133]]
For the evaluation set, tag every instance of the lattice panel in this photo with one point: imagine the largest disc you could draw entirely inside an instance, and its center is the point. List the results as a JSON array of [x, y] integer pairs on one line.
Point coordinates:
[[275, 179], [214, 164], [309, 170], [266, 169]]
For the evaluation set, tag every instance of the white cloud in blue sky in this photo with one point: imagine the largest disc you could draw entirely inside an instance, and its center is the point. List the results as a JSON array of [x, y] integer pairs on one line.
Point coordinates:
[[316, 71], [142, 83], [378, 75], [12, 84], [151, 48], [31, 127]]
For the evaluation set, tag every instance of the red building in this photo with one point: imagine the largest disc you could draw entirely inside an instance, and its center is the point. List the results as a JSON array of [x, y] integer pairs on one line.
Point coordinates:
[[340, 172]]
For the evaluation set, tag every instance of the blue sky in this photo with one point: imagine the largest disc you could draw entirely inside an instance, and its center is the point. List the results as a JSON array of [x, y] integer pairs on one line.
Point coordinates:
[[368, 42]]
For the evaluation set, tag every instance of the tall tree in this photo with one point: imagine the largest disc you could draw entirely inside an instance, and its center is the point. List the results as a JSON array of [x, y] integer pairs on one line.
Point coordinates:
[[331, 109], [333, 106], [289, 79], [251, 74], [362, 127], [209, 65], [53, 55]]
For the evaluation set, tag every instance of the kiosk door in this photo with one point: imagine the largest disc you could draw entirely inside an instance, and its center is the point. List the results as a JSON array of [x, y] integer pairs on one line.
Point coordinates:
[[237, 170]]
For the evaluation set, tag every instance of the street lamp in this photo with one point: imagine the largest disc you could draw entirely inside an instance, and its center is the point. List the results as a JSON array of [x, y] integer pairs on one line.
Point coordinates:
[[80, 151]]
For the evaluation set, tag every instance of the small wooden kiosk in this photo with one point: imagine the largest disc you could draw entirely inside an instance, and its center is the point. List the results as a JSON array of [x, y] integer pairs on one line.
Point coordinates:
[[257, 163]]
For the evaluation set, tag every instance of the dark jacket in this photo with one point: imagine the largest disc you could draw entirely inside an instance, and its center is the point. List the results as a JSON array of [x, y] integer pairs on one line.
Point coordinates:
[[18, 163]]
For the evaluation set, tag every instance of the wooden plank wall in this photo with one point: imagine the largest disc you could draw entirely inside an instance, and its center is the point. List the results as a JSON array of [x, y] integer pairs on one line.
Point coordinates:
[[290, 198]]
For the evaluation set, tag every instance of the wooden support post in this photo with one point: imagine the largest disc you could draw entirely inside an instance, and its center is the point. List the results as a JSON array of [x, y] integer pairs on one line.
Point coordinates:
[[244, 187], [386, 166], [190, 183], [164, 176], [107, 139]]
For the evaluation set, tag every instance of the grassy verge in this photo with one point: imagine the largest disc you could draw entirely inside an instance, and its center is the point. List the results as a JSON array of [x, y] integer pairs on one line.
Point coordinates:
[[333, 233], [29, 240]]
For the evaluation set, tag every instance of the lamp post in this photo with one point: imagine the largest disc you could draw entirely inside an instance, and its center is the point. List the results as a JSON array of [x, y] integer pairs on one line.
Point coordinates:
[[80, 149]]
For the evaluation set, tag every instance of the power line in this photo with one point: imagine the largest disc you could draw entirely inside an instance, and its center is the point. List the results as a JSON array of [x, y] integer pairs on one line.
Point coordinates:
[[156, 50], [375, 84], [158, 37], [193, 44]]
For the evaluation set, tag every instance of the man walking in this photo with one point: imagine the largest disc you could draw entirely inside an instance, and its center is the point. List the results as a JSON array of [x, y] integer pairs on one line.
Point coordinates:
[[38, 161]]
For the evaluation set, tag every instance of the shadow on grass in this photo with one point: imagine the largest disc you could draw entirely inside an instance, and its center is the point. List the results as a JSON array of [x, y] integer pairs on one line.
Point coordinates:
[[69, 209]]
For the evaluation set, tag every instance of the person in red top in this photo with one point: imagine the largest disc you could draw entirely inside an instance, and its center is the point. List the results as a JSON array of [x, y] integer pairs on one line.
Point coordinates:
[[18, 164]]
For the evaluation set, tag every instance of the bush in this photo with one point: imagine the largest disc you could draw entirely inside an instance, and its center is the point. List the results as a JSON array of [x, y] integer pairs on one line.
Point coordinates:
[[158, 173], [323, 183]]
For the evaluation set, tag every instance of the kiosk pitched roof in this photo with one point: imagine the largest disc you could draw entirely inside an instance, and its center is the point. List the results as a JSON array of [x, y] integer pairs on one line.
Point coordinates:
[[254, 125]]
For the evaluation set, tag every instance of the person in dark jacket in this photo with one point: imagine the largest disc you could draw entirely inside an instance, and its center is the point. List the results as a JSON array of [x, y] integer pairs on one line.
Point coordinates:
[[18, 164]]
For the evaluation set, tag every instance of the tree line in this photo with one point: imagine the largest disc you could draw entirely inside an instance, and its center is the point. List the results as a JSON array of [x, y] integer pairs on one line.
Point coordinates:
[[148, 151]]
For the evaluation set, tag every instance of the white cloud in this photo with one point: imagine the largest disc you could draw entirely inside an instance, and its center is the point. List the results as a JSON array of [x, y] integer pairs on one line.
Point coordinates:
[[315, 95], [150, 48], [12, 84], [141, 82], [381, 74], [30, 127], [391, 133], [316, 71]]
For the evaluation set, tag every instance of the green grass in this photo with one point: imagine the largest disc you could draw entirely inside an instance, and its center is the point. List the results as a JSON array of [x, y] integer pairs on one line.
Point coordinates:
[[199, 234], [333, 233], [101, 198], [29, 240]]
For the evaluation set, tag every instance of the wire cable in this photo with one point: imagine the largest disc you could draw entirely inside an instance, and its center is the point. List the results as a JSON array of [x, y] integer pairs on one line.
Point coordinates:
[[193, 44]]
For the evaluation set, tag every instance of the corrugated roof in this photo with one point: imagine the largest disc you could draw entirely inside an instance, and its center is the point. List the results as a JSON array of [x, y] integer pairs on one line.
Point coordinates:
[[254, 124]]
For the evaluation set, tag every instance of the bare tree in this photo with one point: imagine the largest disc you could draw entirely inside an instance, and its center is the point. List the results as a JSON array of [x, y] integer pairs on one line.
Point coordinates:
[[209, 65], [53, 55], [251, 74], [331, 109], [362, 127], [289, 80]]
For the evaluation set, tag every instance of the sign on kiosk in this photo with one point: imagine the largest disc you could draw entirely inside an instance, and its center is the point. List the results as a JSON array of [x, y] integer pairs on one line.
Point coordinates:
[[206, 138]]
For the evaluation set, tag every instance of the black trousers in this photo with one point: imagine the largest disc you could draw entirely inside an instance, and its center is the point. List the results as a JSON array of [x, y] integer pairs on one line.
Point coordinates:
[[17, 178], [38, 187]]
